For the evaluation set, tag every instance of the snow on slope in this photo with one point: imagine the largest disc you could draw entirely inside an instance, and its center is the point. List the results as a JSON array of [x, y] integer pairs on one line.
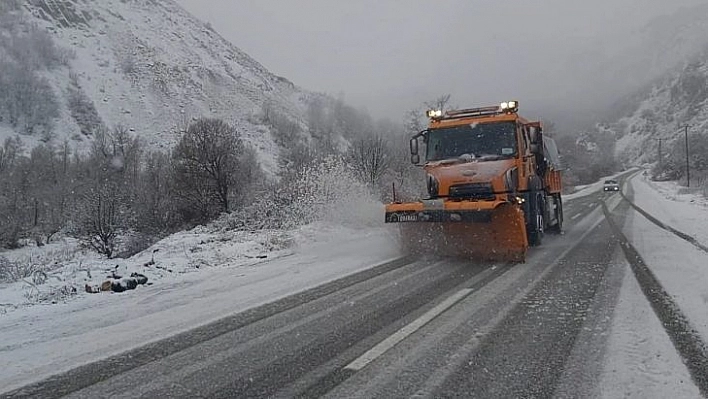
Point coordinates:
[[678, 99], [150, 66], [650, 83]]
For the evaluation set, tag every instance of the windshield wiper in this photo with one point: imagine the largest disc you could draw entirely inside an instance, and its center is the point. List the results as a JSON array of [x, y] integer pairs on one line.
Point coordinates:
[[447, 161], [469, 157], [491, 157]]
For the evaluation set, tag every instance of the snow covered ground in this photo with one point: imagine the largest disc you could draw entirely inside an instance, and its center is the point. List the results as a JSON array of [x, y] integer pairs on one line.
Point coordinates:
[[198, 276], [681, 268], [675, 205], [641, 361]]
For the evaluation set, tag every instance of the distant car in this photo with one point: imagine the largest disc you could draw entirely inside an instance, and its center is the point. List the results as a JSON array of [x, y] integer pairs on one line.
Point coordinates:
[[611, 185]]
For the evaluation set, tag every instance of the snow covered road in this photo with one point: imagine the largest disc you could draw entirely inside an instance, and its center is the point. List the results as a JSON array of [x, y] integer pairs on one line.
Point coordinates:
[[580, 319]]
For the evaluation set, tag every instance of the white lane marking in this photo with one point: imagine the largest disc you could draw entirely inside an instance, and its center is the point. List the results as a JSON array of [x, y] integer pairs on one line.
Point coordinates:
[[407, 330], [576, 216]]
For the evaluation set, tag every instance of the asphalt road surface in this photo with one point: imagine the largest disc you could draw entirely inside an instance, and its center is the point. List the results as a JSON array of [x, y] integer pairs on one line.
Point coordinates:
[[410, 328]]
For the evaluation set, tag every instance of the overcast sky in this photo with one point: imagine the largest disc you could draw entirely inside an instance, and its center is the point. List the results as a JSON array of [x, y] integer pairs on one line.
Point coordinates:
[[391, 55]]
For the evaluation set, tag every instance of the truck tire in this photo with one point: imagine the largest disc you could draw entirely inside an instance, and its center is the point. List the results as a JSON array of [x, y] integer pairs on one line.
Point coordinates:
[[558, 227], [535, 230]]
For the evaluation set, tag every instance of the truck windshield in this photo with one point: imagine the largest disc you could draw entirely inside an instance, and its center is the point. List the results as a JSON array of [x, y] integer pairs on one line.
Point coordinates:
[[485, 141]]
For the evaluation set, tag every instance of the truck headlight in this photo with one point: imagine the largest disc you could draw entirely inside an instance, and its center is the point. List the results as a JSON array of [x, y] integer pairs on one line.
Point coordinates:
[[434, 113]]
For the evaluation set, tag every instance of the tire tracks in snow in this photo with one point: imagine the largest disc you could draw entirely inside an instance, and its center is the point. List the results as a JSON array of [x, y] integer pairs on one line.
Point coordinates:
[[688, 238], [684, 337]]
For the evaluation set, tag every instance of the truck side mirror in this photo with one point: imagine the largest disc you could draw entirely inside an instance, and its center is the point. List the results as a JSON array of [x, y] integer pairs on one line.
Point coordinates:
[[533, 135], [415, 158]]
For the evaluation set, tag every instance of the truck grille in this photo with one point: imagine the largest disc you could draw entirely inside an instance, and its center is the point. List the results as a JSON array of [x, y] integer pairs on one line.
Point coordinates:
[[474, 191]]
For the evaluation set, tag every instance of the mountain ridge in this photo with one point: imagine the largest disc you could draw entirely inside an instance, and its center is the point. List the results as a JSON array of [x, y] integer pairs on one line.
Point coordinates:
[[151, 67]]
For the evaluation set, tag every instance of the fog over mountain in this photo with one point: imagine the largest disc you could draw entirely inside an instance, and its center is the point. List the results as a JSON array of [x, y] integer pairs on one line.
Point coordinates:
[[564, 60]]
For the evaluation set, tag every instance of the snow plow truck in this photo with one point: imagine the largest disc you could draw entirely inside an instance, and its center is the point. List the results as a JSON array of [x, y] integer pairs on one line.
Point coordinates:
[[493, 183]]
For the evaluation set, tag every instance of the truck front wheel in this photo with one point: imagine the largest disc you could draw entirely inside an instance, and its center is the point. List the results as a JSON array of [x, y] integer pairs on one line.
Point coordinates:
[[558, 226], [535, 230]]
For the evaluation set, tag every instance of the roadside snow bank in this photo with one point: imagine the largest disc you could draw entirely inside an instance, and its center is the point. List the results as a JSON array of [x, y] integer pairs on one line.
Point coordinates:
[[672, 205], [641, 361], [681, 268], [61, 271], [199, 277]]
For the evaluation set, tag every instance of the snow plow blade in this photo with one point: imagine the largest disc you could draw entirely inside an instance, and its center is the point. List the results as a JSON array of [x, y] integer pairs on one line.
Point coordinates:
[[490, 231]]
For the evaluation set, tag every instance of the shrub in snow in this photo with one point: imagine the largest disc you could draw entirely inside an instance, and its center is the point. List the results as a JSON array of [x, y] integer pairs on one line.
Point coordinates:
[[52, 294], [128, 65], [13, 270], [83, 111]]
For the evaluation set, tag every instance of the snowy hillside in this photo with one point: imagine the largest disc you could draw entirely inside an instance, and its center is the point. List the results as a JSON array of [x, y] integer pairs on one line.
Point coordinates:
[[639, 90], [150, 66], [678, 99], [665, 66]]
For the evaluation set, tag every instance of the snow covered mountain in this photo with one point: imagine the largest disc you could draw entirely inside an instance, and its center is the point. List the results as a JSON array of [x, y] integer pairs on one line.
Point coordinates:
[[660, 74], [150, 66], [659, 111]]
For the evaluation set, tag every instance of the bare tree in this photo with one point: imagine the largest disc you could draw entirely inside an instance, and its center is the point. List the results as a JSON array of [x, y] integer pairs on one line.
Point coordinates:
[[440, 103], [106, 191], [207, 164], [12, 195], [156, 211], [316, 118], [102, 222], [12, 149], [349, 121], [370, 157], [27, 100]]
